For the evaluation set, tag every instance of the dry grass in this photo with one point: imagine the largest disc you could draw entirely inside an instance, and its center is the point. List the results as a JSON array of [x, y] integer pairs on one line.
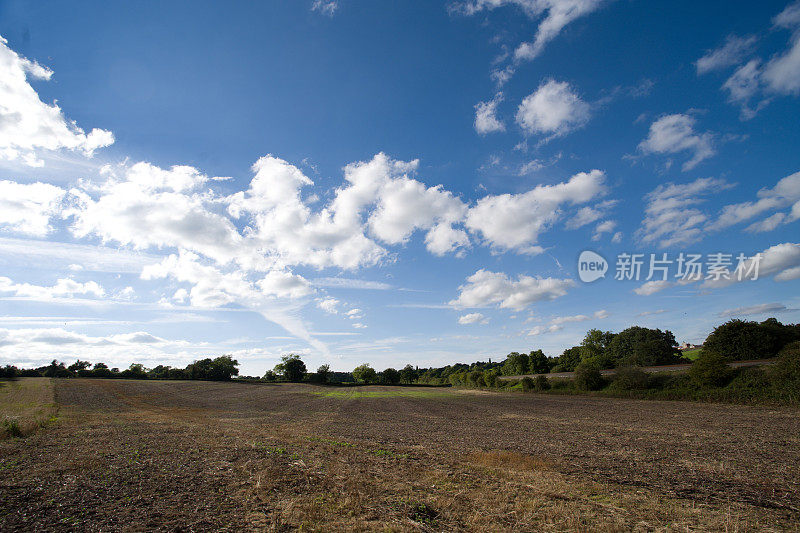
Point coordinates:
[[26, 405], [204, 456]]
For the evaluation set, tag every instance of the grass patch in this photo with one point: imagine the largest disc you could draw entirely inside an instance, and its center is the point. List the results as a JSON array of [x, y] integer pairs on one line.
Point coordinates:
[[26, 405], [692, 354], [399, 393]]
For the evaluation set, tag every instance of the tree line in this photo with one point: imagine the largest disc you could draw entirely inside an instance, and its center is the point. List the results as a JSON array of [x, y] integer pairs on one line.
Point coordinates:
[[599, 350]]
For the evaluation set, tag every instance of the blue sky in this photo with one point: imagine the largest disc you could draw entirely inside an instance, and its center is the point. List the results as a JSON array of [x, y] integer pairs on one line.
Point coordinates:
[[387, 182]]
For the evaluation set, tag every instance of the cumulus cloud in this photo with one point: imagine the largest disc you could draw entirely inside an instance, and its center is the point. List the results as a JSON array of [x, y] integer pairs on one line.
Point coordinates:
[[730, 53], [671, 213], [515, 221], [29, 208], [472, 318], [553, 109], [485, 288], [672, 134], [28, 125], [781, 261], [541, 330], [329, 305], [652, 287], [486, 120], [785, 194], [64, 288]]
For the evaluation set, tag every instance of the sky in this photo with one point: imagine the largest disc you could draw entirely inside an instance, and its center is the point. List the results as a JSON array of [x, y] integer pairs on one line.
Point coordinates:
[[390, 182]]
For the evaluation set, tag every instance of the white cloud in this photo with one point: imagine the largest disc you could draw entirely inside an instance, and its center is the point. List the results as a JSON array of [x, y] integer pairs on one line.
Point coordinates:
[[598, 315], [325, 7], [28, 208], [768, 224], [652, 287], [671, 215], [781, 261], [604, 227], [485, 288], [587, 215], [64, 288], [486, 120], [554, 15], [553, 109], [541, 330], [28, 125], [785, 194], [672, 134], [731, 53], [472, 318], [349, 283], [759, 309], [782, 73], [515, 221], [329, 305]]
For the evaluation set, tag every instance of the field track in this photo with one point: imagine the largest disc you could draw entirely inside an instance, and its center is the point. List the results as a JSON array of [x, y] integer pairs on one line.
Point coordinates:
[[197, 456]]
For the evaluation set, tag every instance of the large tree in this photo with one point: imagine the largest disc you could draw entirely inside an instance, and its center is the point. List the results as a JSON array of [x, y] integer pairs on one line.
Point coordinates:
[[638, 346], [291, 368]]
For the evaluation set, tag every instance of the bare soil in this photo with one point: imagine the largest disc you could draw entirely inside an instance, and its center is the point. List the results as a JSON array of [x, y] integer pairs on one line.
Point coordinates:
[[198, 456]]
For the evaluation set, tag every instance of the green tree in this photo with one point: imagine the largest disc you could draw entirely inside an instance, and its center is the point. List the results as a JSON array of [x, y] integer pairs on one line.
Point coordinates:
[[408, 374], [79, 365], [569, 359], [738, 340], [365, 374], [291, 368], [638, 346], [595, 347], [538, 363], [223, 368], [516, 364], [323, 374], [390, 376]]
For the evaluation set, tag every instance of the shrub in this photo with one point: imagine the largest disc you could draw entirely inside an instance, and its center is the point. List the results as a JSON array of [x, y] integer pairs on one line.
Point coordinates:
[[526, 383], [541, 383], [588, 377], [631, 378], [710, 370], [9, 372], [785, 374]]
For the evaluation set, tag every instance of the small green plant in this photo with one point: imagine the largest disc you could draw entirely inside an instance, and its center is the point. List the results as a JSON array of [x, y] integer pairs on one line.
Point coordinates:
[[631, 378], [526, 383], [710, 370], [11, 427], [541, 383], [588, 377]]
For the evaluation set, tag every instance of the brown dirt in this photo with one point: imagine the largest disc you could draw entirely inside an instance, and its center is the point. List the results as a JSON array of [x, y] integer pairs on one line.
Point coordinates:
[[198, 456]]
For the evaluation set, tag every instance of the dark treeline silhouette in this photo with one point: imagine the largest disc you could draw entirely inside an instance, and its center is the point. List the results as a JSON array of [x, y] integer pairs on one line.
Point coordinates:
[[222, 368]]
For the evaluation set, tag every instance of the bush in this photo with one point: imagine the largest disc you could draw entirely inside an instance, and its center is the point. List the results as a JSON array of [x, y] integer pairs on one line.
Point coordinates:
[[541, 383], [631, 378], [741, 340], [588, 377], [710, 370], [9, 372], [785, 374], [527, 384]]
